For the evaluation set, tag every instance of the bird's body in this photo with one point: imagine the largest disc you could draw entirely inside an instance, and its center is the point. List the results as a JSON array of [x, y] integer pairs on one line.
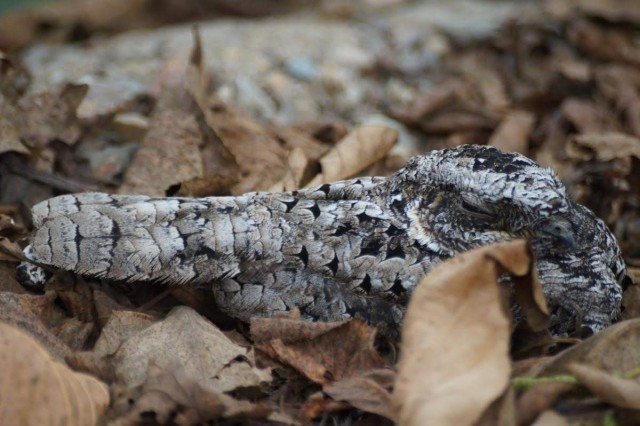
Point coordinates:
[[350, 248]]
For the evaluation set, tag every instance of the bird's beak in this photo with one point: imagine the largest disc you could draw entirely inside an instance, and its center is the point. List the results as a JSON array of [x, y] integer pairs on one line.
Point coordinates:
[[561, 230]]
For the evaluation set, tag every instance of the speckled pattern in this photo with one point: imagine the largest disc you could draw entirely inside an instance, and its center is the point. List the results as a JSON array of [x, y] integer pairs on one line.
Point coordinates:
[[350, 248]]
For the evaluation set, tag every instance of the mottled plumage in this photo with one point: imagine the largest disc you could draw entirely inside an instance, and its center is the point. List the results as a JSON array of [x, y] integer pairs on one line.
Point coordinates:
[[350, 248]]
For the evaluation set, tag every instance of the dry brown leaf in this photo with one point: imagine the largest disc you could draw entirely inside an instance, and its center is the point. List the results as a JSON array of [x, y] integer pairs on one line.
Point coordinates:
[[318, 404], [10, 250], [37, 119], [587, 116], [105, 306], [631, 302], [617, 391], [187, 339], [603, 146], [343, 350], [512, 135], [297, 163], [491, 86], [455, 342], [461, 119], [26, 24], [295, 138], [8, 281], [428, 104], [257, 152], [74, 332], [260, 157], [615, 349], [121, 326], [39, 390], [310, 348], [607, 44], [619, 83], [370, 392], [328, 132], [289, 329], [170, 151], [9, 229], [359, 149], [207, 186], [51, 116], [10, 138], [14, 77]]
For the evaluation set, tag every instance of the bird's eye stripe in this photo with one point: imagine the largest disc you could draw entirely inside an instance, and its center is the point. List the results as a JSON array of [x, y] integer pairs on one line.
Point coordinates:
[[473, 209]]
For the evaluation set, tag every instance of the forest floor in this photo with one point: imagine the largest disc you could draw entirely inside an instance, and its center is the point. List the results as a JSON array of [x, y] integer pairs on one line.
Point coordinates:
[[129, 96]]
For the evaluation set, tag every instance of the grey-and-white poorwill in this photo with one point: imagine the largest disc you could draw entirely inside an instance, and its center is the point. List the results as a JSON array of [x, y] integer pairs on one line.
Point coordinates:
[[351, 248]]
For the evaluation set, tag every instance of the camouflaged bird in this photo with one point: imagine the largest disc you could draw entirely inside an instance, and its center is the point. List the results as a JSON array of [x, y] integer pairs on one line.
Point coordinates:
[[355, 248]]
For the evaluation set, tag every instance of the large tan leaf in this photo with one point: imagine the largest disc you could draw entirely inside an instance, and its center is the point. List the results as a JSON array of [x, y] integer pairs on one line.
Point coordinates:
[[187, 339], [38, 390], [455, 342]]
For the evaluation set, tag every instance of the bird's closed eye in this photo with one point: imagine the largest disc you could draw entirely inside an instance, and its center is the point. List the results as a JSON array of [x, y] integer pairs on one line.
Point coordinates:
[[475, 210]]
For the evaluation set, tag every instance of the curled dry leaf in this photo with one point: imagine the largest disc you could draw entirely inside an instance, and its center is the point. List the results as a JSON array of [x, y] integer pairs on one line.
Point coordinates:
[[38, 390], [455, 342], [359, 149], [617, 391]]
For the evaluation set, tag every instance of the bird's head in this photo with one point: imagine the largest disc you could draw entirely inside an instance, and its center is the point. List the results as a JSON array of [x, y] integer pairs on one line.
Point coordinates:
[[461, 198]]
